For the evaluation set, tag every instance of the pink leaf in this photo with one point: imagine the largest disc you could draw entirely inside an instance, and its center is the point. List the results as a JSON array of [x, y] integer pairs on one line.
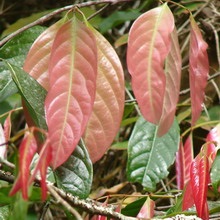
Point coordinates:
[[3, 147], [173, 77], [198, 69], [147, 210], [199, 174], [72, 78], [108, 108], [184, 159], [149, 43], [36, 62], [188, 200], [27, 149]]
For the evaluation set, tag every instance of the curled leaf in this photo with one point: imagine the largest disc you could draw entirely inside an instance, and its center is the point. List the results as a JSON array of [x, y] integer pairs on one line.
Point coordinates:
[[198, 69]]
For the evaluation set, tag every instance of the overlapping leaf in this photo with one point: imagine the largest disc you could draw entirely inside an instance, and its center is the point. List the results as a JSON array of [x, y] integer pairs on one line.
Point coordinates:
[[198, 69], [173, 77], [37, 60], [72, 78], [75, 175], [184, 158], [149, 43], [150, 156], [108, 108], [2, 144]]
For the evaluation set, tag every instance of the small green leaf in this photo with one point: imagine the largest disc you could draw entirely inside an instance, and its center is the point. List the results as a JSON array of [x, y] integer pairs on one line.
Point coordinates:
[[215, 172], [133, 208], [75, 175], [116, 18], [15, 51], [32, 92], [149, 156]]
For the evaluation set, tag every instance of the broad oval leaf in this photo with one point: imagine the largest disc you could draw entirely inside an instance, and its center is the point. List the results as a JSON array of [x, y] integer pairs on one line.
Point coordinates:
[[37, 60], [184, 158], [149, 156], [173, 78], [108, 107], [76, 174], [72, 78], [215, 171], [149, 43], [198, 69]]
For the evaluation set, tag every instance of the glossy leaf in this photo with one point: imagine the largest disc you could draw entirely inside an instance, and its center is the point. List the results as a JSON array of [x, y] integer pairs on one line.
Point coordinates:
[[215, 171], [184, 158], [27, 149], [108, 107], [149, 43], [198, 69], [32, 93], [199, 175], [37, 60], [15, 51], [149, 156], [173, 77], [72, 78], [188, 200], [76, 174]]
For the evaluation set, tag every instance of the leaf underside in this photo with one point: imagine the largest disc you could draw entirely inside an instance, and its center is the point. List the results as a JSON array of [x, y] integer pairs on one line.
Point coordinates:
[[150, 156], [149, 43], [105, 120]]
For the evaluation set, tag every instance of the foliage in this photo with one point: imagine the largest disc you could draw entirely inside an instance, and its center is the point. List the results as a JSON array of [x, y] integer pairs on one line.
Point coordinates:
[[72, 83]]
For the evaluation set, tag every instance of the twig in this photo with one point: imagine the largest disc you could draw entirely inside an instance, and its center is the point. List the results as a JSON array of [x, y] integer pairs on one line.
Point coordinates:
[[58, 11], [91, 206], [8, 177]]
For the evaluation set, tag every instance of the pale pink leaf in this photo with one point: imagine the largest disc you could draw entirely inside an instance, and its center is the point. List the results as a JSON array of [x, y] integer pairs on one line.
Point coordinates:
[[147, 210], [72, 79], [149, 43], [36, 62], [3, 147], [184, 158], [173, 78], [198, 69], [108, 108]]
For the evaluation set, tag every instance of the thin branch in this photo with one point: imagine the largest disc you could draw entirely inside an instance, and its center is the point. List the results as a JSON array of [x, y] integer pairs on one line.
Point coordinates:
[[58, 11], [8, 177]]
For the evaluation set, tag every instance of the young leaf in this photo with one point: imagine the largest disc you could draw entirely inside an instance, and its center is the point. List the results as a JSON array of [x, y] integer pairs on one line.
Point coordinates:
[[147, 210], [199, 175], [149, 156], [149, 43], [36, 62], [108, 107], [2, 144], [72, 78], [173, 77], [184, 158], [198, 69], [75, 175], [27, 149], [188, 200]]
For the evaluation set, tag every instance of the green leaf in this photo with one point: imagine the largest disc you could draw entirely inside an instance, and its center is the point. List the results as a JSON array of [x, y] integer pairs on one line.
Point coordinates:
[[215, 172], [133, 208], [15, 51], [5, 199], [116, 18], [32, 92], [149, 156], [75, 175], [4, 212]]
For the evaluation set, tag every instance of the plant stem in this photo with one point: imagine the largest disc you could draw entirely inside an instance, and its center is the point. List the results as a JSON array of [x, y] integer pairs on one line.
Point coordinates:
[[58, 11]]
